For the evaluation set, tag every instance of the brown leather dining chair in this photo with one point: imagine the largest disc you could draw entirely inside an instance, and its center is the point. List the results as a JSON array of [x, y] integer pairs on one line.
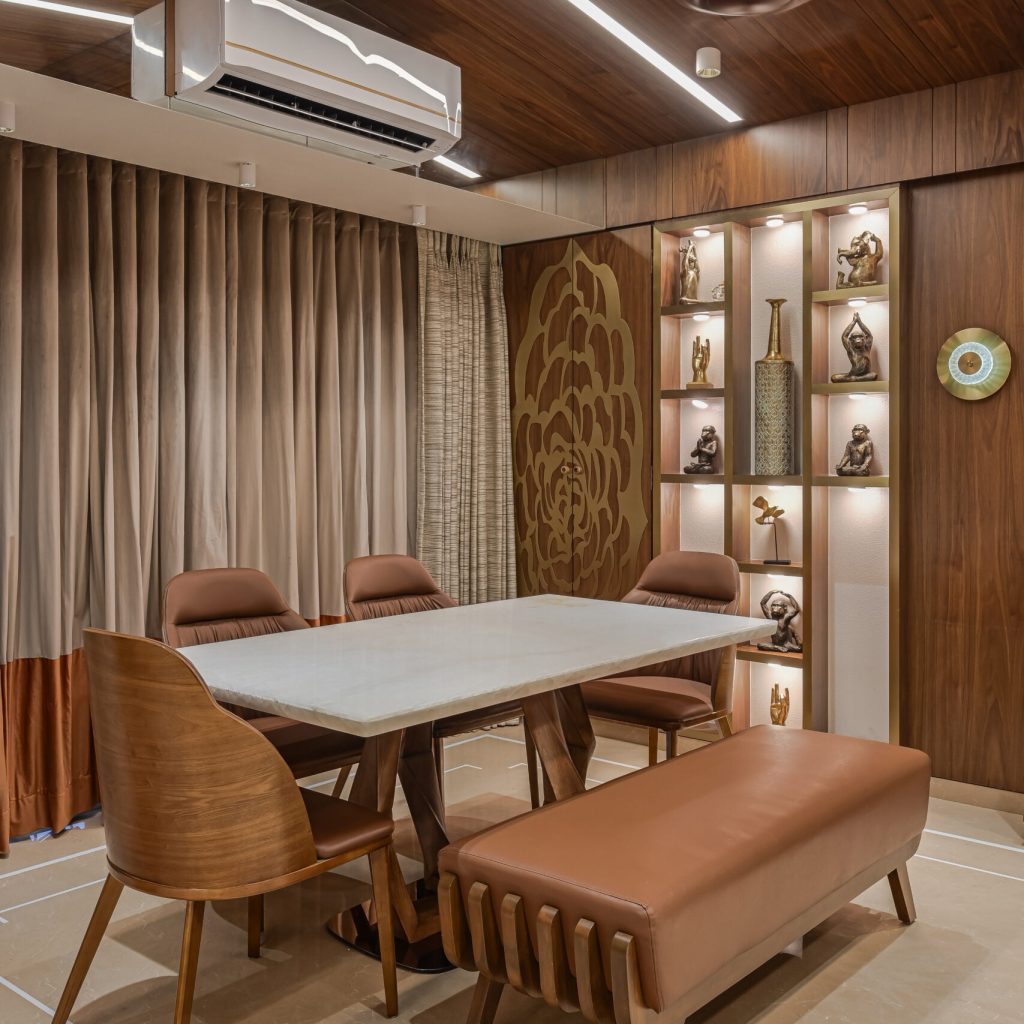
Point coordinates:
[[204, 606], [381, 585], [684, 692], [198, 806]]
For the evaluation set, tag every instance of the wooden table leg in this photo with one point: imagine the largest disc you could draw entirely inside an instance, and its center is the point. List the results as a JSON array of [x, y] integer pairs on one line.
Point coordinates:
[[544, 721], [577, 727], [417, 771]]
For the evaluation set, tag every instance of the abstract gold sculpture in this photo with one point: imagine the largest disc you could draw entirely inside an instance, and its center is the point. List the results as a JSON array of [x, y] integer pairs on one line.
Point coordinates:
[[864, 254], [689, 271], [700, 360], [780, 706], [769, 517]]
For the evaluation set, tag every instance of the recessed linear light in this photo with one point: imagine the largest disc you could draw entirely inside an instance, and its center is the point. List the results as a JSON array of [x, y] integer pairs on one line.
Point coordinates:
[[82, 12], [858, 209], [702, 233], [775, 222], [453, 166], [666, 67]]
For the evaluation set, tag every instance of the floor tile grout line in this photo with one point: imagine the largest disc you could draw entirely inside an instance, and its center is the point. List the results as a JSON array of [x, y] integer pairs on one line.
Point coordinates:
[[48, 863], [53, 895], [29, 999], [971, 839], [967, 867]]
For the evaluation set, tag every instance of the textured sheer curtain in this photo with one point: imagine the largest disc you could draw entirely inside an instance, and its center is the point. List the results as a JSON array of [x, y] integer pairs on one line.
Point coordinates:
[[465, 516], [190, 375]]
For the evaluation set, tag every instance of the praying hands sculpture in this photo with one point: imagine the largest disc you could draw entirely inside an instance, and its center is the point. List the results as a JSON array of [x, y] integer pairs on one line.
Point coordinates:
[[699, 361]]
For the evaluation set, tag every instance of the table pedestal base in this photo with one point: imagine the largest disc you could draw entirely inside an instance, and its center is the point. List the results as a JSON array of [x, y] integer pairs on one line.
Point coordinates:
[[354, 929]]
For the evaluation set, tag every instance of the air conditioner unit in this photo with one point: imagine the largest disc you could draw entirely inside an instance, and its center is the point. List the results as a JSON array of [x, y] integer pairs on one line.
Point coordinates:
[[285, 67]]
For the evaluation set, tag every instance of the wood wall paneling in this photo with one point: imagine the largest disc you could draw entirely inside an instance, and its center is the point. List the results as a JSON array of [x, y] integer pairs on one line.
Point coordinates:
[[785, 160], [580, 192], [632, 188], [962, 539], [890, 140], [837, 149], [990, 121], [944, 130], [666, 182]]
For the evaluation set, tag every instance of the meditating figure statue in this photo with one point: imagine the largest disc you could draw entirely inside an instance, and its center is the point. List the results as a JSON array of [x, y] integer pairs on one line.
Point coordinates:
[[857, 340], [704, 453], [783, 608], [859, 453], [700, 360], [689, 272], [863, 261]]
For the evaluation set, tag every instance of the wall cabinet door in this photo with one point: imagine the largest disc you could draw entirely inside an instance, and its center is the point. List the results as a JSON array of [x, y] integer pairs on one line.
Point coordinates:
[[579, 314]]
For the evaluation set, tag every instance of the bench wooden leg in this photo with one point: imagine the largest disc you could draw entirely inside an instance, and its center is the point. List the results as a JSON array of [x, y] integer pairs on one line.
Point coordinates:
[[486, 996], [902, 896]]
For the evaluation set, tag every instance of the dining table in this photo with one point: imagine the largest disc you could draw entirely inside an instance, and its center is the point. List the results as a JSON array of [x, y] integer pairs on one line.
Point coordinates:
[[389, 679]]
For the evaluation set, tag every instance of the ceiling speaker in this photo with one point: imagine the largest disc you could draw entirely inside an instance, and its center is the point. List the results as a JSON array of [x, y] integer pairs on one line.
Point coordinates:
[[742, 8]]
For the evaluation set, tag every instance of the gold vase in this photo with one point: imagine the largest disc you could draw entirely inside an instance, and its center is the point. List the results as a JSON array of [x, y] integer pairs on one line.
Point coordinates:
[[774, 388]]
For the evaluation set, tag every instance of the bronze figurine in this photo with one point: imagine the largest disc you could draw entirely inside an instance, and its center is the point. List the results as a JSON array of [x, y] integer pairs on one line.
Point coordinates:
[[705, 452], [700, 360], [689, 272], [769, 517], [779, 709], [863, 261], [859, 453], [783, 608], [857, 340]]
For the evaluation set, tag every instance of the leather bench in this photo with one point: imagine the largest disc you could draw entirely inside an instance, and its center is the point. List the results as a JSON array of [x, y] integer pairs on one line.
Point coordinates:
[[643, 899]]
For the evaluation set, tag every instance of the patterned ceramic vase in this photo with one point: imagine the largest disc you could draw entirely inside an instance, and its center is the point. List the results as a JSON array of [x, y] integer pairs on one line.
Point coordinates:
[[773, 405]]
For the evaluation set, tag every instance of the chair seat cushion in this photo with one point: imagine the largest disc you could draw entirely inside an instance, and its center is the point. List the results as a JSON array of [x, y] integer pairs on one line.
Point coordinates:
[[705, 856], [483, 718], [308, 749], [657, 702], [340, 827]]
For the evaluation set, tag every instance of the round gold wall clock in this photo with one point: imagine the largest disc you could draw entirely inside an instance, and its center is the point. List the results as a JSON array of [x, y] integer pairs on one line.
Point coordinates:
[[973, 363]]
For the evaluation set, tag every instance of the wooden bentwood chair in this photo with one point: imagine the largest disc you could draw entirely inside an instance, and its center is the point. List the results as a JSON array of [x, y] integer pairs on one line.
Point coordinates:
[[204, 606], [381, 585], [197, 806], [684, 692]]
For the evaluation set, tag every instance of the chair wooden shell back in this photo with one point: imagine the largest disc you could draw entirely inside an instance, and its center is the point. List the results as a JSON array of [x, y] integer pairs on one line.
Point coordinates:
[[193, 798], [699, 581], [380, 585]]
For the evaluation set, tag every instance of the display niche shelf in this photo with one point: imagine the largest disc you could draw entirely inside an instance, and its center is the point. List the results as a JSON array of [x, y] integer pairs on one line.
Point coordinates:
[[839, 533]]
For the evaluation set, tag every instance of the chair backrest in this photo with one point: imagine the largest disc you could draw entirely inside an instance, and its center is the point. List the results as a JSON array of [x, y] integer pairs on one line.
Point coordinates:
[[696, 581], [192, 796], [203, 606], [380, 585]]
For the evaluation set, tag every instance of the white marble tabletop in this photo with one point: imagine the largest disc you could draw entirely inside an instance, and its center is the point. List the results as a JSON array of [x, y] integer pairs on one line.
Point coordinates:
[[372, 677]]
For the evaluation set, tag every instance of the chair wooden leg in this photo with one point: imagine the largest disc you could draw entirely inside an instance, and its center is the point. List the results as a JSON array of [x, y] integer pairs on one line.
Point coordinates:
[[484, 1006], [379, 868], [725, 726], [902, 896], [189, 962], [339, 785], [652, 746], [671, 744], [105, 905], [531, 768], [255, 925]]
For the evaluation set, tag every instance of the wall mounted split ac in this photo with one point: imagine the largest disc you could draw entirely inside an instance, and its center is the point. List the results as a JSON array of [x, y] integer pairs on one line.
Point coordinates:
[[287, 68]]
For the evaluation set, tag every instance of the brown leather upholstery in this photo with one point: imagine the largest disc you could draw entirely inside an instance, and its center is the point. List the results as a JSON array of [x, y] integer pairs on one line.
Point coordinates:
[[702, 857], [339, 827], [377, 586], [681, 691], [205, 606]]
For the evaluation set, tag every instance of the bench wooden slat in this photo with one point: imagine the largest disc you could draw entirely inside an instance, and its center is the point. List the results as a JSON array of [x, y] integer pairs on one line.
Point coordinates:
[[595, 999], [520, 963], [483, 929], [556, 981]]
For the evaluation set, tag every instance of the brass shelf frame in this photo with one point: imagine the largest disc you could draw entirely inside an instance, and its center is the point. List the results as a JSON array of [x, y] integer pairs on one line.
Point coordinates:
[[811, 562]]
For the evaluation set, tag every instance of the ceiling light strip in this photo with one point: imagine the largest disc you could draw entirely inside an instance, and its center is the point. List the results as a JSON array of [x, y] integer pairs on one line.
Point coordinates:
[[466, 172], [666, 67], [81, 12]]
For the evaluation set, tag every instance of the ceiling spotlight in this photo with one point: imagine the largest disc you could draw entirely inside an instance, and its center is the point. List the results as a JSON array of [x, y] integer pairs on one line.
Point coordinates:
[[6, 117], [698, 404], [775, 221], [247, 175], [857, 397], [857, 303], [701, 317], [702, 232], [858, 209], [709, 62], [743, 8]]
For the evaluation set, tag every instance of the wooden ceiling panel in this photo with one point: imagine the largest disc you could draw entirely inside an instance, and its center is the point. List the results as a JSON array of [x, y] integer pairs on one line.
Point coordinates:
[[544, 86]]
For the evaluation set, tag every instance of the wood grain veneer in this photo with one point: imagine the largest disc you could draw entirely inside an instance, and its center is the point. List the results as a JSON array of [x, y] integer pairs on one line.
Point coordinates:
[[890, 140]]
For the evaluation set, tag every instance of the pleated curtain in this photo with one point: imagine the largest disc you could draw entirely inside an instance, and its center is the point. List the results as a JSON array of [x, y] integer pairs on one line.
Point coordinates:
[[191, 375], [465, 514]]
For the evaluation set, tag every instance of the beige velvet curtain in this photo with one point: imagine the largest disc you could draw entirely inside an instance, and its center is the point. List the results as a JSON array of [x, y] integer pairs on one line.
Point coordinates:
[[190, 375], [465, 516]]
